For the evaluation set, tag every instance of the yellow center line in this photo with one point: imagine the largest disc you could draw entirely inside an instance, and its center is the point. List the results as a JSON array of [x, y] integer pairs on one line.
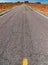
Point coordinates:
[[24, 11], [25, 61]]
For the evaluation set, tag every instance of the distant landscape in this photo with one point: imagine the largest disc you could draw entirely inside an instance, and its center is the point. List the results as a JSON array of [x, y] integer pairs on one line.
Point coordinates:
[[43, 8], [7, 6]]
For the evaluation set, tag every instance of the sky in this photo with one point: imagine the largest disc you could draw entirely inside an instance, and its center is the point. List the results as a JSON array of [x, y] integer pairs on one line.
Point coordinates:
[[42, 1]]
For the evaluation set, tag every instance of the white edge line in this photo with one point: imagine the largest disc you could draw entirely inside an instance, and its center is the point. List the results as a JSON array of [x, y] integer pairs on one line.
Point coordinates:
[[39, 13], [7, 11]]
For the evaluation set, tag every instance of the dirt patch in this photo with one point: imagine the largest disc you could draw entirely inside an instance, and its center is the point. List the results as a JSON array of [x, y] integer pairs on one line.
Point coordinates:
[[7, 6], [43, 8]]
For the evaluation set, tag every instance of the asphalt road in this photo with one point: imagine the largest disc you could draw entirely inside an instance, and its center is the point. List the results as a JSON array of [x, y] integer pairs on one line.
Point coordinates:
[[23, 33]]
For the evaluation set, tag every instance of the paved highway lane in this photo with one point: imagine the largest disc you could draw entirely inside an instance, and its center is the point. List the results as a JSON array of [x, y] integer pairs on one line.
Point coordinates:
[[23, 33]]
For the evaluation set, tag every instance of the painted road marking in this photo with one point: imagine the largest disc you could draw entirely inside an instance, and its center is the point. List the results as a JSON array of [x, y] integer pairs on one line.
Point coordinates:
[[39, 13], [25, 61], [24, 12]]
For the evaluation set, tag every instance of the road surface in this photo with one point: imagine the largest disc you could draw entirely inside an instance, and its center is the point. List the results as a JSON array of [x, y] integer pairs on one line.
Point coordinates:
[[23, 33]]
